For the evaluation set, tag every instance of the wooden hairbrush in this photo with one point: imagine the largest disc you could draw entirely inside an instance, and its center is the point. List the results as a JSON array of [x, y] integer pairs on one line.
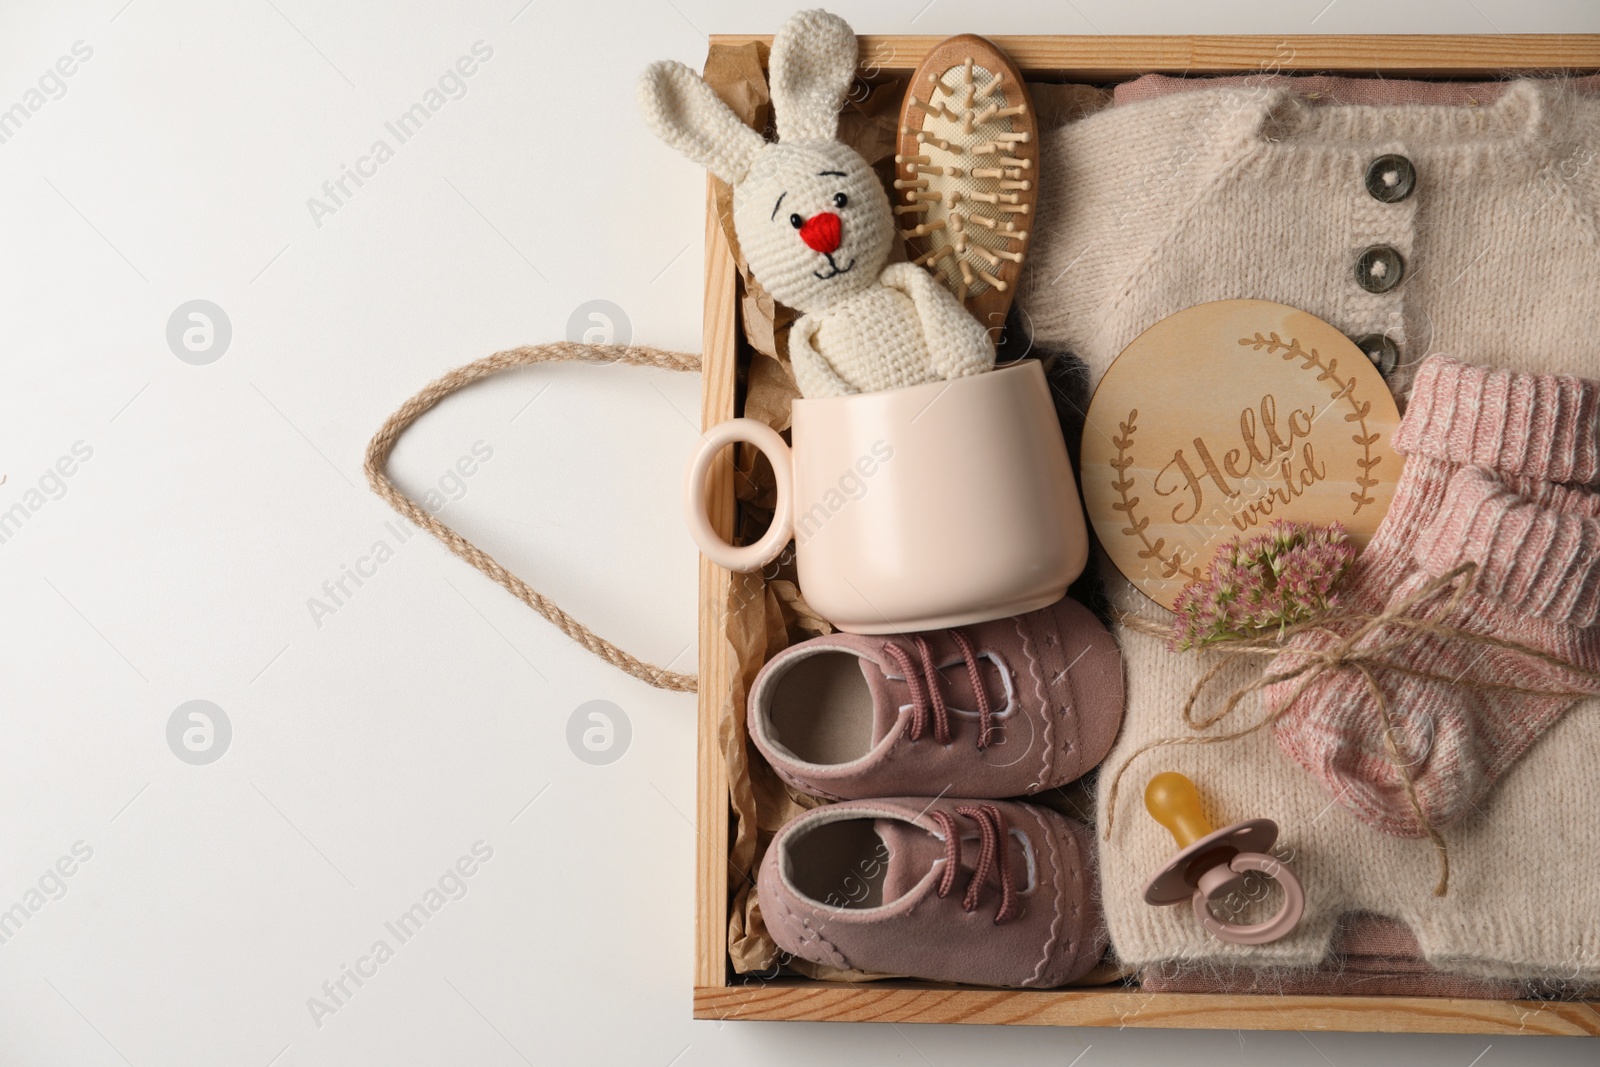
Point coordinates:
[[967, 172]]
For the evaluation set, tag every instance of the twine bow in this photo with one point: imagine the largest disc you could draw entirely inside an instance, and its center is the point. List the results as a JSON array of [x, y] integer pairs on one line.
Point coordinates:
[[1347, 653]]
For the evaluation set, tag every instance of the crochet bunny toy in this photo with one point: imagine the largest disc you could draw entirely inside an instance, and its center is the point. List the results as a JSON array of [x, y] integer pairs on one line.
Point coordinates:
[[815, 224]]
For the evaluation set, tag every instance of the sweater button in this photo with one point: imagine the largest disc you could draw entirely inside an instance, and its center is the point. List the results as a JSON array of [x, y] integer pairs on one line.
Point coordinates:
[[1391, 178], [1379, 269], [1384, 353]]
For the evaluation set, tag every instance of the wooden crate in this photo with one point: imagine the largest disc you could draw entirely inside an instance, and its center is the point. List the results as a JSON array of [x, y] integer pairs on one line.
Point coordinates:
[[718, 994]]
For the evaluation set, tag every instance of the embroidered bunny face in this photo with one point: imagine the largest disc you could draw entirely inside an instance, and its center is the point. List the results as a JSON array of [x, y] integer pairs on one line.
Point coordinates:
[[812, 218], [813, 222]]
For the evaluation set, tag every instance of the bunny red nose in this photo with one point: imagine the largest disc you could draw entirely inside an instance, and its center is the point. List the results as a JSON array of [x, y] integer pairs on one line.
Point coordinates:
[[821, 232]]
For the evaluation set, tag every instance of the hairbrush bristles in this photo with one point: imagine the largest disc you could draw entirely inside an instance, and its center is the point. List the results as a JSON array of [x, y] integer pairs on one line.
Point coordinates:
[[967, 172]]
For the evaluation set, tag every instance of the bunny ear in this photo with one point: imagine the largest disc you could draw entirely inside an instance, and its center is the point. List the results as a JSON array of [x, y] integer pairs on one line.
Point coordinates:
[[813, 62], [686, 113]]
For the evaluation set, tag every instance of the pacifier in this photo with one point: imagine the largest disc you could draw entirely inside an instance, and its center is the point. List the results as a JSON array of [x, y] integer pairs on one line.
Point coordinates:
[[1213, 863]]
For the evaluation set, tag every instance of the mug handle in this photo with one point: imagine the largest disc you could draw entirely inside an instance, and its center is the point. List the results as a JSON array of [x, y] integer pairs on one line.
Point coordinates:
[[766, 439]]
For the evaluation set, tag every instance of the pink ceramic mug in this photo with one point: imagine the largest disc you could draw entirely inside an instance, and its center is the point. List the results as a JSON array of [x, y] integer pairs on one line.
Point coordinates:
[[917, 508]]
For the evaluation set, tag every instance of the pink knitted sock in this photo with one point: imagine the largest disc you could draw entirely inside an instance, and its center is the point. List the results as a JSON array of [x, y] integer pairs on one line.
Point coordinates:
[[1486, 451]]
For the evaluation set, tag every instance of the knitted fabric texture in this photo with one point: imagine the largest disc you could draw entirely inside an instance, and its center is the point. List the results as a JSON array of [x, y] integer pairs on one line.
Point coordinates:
[[1370, 955], [864, 326], [1537, 547], [1321, 89], [1226, 193]]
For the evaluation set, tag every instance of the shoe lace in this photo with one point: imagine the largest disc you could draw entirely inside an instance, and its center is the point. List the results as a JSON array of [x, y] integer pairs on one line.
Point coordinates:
[[927, 694], [992, 837]]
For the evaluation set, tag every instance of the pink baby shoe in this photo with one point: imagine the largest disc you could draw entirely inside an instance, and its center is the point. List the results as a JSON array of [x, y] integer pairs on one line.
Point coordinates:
[[998, 709], [978, 891]]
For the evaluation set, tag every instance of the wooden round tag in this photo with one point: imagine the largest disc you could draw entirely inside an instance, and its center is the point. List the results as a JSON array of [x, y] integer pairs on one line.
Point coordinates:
[[1221, 418]]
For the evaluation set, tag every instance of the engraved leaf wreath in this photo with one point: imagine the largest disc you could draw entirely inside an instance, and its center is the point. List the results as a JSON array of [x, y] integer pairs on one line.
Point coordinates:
[[1343, 390], [1173, 562]]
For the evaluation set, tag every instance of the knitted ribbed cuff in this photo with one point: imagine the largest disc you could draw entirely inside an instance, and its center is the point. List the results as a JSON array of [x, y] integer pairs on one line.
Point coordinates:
[[1534, 425], [1537, 559]]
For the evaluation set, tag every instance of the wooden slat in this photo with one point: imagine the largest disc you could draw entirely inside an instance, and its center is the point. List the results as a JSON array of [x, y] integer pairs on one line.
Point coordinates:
[[909, 1003], [1119, 57], [719, 366], [1101, 59]]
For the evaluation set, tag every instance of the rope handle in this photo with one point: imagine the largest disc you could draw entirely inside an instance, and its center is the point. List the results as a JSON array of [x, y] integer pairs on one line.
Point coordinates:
[[383, 442]]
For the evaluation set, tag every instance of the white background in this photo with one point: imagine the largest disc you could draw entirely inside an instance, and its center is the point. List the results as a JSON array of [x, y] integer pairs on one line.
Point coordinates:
[[374, 744]]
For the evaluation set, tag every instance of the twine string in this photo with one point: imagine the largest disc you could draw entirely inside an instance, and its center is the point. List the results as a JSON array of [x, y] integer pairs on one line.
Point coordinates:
[[1369, 662], [383, 442]]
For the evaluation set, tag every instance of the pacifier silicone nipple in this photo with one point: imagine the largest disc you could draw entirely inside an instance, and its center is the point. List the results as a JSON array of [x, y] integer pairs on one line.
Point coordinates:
[[1175, 803], [1211, 864]]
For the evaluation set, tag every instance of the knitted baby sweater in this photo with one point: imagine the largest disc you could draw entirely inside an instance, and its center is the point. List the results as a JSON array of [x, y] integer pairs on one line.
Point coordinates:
[[1493, 257]]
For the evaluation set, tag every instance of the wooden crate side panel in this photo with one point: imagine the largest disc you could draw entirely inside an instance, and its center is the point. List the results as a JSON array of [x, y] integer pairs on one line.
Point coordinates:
[[895, 1003], [719, 367], [1119, 57]]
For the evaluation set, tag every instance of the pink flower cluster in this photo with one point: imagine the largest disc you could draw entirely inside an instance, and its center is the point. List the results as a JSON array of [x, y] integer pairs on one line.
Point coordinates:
[[1275, 579]]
